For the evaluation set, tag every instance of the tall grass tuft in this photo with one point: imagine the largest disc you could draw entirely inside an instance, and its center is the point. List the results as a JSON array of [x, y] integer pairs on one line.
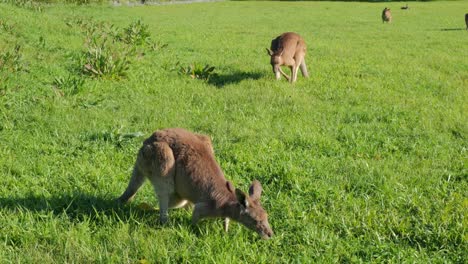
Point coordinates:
[[69, 85]]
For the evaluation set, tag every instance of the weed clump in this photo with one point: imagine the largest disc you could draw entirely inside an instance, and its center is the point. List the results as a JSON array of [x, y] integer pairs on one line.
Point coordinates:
[[101, 59], [136, 33], [12, 60], [26, 4], [69, 85], [197, 71], [5, 26], [108, 50], [101, 56]]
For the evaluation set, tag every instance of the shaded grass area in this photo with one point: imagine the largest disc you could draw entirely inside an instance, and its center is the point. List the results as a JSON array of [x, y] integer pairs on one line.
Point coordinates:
[[363, 162]]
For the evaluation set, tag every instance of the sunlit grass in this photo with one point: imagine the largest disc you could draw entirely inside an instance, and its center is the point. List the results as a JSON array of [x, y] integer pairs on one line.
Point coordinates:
[[363, 162]]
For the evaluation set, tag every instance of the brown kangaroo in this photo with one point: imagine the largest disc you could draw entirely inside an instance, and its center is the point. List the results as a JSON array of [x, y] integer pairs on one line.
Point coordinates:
[[288, 49], [386, 15], [182, 168]]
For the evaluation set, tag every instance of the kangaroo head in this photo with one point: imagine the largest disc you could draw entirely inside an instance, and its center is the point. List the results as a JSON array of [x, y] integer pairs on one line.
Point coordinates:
[[252, 214], [275, 56], [276, 61]]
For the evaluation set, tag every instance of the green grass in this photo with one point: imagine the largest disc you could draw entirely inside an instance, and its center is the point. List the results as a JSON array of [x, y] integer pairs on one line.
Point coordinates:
[[366, 161]]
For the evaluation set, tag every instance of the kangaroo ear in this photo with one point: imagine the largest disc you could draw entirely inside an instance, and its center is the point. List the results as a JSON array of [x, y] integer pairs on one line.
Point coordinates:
[[255, 190], [269, 52], [229, 186], [242, 198]]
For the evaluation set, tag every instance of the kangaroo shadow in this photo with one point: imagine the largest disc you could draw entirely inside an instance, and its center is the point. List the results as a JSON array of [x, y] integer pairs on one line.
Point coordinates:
[[222, 80], [80, 206], [452, 29]]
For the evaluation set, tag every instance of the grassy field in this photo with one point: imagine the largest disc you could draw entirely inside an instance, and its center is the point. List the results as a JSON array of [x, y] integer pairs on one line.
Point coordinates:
[[365, 161]]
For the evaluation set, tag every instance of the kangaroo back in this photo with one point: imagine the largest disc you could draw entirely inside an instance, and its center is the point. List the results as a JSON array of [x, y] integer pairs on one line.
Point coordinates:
[[287, 45]]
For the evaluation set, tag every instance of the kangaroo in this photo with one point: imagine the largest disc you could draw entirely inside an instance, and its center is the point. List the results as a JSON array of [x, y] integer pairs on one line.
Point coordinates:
[[182, 169], [466, 21], [405, 7], [386, 15], [288, 49]]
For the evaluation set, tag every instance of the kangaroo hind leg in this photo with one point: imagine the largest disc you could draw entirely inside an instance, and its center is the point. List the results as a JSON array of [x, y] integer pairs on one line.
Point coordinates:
[[303, 68], [162, 179], [294, 70]]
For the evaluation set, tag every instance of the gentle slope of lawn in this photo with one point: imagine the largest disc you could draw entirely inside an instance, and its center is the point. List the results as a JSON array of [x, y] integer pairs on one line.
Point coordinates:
[[365, 161]]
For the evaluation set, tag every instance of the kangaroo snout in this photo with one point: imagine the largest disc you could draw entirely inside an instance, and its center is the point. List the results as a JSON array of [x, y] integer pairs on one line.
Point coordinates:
[[266, 232]]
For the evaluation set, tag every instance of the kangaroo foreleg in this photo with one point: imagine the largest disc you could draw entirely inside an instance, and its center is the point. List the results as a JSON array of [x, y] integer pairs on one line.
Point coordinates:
[[204, 210], [284, 74], [226, 224], [199, 212]]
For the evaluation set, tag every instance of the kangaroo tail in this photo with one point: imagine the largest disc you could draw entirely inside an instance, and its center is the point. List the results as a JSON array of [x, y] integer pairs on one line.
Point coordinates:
[[135, 183]]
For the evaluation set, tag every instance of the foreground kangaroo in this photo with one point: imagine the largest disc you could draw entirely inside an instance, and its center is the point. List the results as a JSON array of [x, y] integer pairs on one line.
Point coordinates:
[[386, 15], [182, 168], [288, 49]]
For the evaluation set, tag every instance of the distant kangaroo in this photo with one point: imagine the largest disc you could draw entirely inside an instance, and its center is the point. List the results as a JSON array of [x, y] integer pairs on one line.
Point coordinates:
[[288, 49], [386, 15], [182, 168], [405, 7], [466, 21]]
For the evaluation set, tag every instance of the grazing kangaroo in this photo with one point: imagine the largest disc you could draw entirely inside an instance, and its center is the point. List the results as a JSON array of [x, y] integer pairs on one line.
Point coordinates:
[[405, 7], [182, 168], [288, 49], [386, 15]]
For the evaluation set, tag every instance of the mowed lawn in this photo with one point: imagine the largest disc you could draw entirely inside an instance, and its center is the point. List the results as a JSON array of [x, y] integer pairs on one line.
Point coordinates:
[[365, 161]]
